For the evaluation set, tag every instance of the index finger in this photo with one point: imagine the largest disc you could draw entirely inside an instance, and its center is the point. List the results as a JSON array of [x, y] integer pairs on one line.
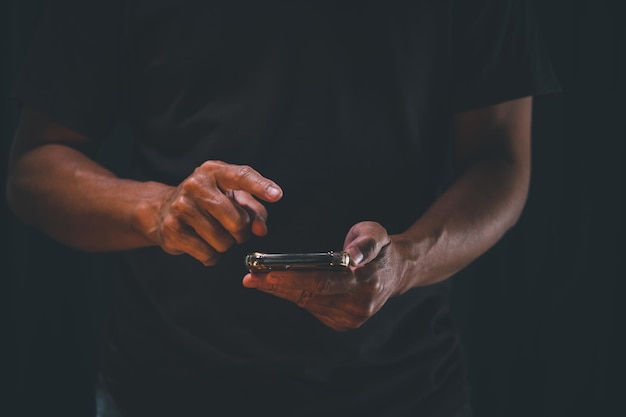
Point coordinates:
[[245, 178]]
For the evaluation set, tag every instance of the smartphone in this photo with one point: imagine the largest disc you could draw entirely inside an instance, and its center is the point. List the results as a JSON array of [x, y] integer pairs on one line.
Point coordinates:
[[265, 262]]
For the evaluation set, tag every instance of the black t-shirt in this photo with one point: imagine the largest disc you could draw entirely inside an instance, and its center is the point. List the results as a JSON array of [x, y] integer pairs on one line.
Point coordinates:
[[347, 106]]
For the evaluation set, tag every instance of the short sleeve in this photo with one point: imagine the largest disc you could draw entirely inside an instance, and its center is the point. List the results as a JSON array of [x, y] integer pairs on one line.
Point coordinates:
[[499, 54], [74, 69]]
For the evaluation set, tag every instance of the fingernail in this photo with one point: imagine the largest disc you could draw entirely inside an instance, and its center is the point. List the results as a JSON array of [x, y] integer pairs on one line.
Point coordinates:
[[357, 258], [273, 191]]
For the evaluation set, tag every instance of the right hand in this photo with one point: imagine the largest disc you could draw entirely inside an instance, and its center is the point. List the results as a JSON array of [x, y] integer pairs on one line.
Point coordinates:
[[209, 211]]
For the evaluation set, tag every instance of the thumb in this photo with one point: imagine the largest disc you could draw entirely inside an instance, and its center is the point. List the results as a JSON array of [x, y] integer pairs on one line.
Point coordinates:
[[364, 242]]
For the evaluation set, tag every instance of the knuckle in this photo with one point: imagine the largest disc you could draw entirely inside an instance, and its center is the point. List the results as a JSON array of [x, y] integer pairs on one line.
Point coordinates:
[[214, 200], [169, 225], [198, 171], [211, 165], [244, 172], [193, 182], [376, 286], [179, 205], [250, 174]]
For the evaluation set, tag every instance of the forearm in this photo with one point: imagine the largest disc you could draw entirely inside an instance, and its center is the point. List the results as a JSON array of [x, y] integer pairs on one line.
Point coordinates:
[[464, 222], [68, 196]]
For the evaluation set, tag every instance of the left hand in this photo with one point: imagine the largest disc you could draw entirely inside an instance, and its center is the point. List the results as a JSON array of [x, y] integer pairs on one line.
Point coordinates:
[[342, 300]]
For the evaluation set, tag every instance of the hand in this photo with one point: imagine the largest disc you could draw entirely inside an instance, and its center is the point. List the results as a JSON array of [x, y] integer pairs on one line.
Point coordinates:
[[342, 300], [209, 211]]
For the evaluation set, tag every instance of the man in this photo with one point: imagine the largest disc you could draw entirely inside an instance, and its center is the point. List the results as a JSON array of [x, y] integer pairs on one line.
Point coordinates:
[[333, 117]]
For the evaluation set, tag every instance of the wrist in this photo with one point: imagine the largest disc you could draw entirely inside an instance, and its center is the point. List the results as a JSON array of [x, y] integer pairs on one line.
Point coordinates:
[[413, 259], [145, 214]]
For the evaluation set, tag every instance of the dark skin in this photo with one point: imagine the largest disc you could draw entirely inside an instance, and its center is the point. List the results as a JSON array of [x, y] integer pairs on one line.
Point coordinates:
[[492, 153], [77, 198], [55, 185]]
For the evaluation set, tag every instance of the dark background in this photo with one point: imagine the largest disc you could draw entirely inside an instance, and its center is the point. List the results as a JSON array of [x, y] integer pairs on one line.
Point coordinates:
[[542, 314]]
